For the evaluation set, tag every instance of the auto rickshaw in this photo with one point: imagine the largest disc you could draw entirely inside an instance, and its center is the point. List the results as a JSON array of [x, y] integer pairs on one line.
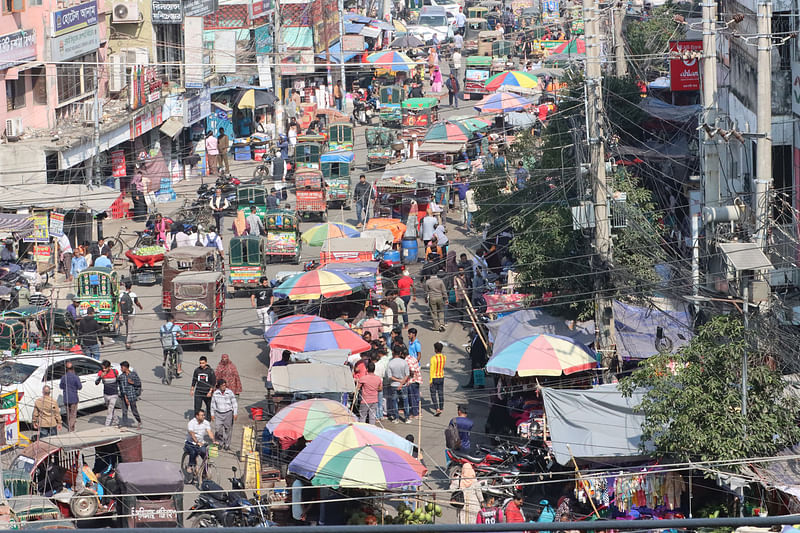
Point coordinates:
[[282, 240], [191, 258], [340, 137], [390, 113], [150, 494], [246, 261], [485, 41], [310, 194], [471, 31], [251, 195], [418, 114], [336, 171], [477, 71], [382, 143], [12, 336], [42, 327], [477, 12], [98, 287], [198, 305], [443, 153], [306, 156], [529, 16], [101, 449], [36, 512]]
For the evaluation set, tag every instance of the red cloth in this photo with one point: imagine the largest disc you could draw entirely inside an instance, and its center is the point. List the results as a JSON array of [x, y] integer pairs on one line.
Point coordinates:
[[227, 370], [513, 514], [404, 285]]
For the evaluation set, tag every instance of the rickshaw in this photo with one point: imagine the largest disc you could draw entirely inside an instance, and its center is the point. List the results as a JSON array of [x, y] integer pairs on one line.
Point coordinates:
[[282, 239], [418, 114], [150, 495], [336, 171], [246, 261], [353, 250], [475, 76], [477, 12], [101, 449], [306, 156], [199, 303], [251, 195], [12, 335], [390, 113], [310, 193], [312, 138], [36, 512], [395, 195], [191, 258], [473, 28], [382, 143], [340, 137], [145, 257], [98, 287], [529, 16], [486, 40], [45, 327], [442, 153]]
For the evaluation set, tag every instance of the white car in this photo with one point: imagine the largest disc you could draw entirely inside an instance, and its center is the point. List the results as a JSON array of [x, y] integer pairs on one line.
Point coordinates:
[[433, 21], [28, 373], [451, 6]]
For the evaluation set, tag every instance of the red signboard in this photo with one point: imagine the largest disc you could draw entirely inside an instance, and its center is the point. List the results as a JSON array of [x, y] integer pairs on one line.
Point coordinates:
[[684, 74], [118, 169]]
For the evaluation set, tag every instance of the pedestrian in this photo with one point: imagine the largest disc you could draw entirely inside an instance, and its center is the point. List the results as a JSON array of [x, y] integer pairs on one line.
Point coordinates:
[[436, 80], [363, 194], [398, 374], [168, 335], [457, 57], [381, 359], [272, 200], [130, 389], [490, 512], [452, 90], [218, 206], [466, 481], [212, 151], [513, 510], [428, 226], [224, 412], [371, 326], [387, 319], [108, 377], [227, 371], [521, 175], [128, 302], [370, 387], [414, 346], [464, 425], [104, 261], [255, 226], [223, 145], [461, 290], [70, 384], [46, 414], [437, 378], [90, 334], [65, 249], [78, 263], [213, 240], [338, 96], [263, 299], [22, 295], [461, 22], [436, 293], [72, 308], [405, 290], [414, 383], [472, 208], [203, 382]]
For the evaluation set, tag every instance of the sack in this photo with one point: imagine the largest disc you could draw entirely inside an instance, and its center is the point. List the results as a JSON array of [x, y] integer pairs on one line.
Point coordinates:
[[126, 304], [451, 437]]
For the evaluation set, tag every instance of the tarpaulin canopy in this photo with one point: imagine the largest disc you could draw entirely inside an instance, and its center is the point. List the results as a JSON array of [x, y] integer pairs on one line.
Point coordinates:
[[419, 170], [598, 424], [782, 475], [638, 330], [11, 222], [317, 378], [353, 28], [336, 54], [66, 197], [673, 113], [517, 326]]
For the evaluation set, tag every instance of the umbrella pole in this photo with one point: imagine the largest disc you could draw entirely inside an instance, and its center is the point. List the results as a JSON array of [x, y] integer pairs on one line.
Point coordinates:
[[583, 482], [473, 317]]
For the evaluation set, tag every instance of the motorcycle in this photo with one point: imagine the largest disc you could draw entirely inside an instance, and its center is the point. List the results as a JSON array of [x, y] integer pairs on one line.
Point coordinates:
[[217, 508], [205, 193], [364, 109]]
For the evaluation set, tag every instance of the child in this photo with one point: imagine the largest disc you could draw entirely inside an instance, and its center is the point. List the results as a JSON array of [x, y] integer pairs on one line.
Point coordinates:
[[490, 513]]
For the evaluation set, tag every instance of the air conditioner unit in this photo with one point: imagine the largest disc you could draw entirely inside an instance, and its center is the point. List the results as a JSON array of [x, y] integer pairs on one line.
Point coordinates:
[[117, 79], [14, 127], [125, 12], [136, 56]]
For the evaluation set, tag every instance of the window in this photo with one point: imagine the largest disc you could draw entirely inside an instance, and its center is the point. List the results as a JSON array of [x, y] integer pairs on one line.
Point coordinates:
[[85, 367], [15, 94], [12, 373], [782, 25], [38, 85], [13, 6], [32, 3], [190, 291], [77, 78], [54, 371]]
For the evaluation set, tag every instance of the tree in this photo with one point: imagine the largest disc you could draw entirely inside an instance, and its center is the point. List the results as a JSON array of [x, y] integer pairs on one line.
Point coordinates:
[[693, 408], [648, 39]]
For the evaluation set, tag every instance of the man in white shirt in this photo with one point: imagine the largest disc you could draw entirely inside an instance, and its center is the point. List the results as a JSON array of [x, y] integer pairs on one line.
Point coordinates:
[[65, 248], [198, 429], [428, 226], [254, 222], [458, 42], [224, 412], [457, 62], [183, 239], [213, 240], [461, 21]]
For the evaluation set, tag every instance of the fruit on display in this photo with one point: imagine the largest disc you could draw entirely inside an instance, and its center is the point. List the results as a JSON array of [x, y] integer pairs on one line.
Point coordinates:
[[150, 250]]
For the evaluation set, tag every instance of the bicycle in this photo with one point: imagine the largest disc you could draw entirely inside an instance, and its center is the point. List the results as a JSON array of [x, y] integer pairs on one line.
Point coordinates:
[[170, 366], [205, 470]]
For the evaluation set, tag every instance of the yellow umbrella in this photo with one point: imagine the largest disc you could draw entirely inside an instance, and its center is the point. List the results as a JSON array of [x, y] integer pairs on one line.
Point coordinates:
[[247, 100]]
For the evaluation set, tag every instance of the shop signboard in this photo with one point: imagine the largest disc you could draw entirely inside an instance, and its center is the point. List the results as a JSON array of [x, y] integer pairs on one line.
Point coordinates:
[[74, 18], [684, 74], [41, 229], [259, 8], [193, 51], [167, 12], [197, 108], [199, 8], [9, 409], [146, 122], [75, 44], [56, 224], [118, 164], [17, 47]]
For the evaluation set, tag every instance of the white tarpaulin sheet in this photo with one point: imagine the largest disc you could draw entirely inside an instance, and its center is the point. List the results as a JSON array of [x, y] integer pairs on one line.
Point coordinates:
[[597, 424], [318, 378]]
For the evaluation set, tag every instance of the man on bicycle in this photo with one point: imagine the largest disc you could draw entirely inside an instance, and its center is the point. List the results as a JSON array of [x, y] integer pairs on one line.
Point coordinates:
[[198, 429], [169, 343]]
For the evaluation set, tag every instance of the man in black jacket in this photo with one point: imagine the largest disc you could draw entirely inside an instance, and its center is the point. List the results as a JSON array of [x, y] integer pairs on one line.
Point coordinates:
[[89, 336], [203, 382], [362, 195]]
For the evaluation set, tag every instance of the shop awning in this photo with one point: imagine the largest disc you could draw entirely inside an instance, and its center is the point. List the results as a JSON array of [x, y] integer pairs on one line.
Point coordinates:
[[336, 54], [370, 31], [318, 378], [11, 222], [65, 197], [355, 17], [353, 28], [172, 127], [298, 37]]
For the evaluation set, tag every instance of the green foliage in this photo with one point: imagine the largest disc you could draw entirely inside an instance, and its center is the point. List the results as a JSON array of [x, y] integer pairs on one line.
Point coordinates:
[[692, 406], [621, 97], [648, 40]]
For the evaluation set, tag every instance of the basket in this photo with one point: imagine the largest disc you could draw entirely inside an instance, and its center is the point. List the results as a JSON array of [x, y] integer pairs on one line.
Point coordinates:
[[257, 413], [213, 450]]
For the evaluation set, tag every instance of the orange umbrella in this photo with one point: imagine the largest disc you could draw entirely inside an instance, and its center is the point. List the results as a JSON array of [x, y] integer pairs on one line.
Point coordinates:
[[397, 228]]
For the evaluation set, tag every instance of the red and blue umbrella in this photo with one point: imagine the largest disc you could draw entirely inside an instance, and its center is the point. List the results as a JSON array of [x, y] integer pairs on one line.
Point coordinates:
[[542, 355], [392, 60], [309, 333], [316, 284], [512, 78], [503, 103], [448, 131]]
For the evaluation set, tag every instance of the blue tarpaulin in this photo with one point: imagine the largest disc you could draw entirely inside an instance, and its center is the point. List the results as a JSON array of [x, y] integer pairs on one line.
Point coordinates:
[[353, 28], [337, 157], [336, 54]]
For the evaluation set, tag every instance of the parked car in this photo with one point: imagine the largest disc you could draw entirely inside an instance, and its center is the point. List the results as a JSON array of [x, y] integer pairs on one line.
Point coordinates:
[[451, 6], [433, 20], [30, 372]]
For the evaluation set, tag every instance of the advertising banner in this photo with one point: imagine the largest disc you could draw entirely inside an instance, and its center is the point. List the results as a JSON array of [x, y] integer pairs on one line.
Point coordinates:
[[118, 164], [74, 18], [199, 8], [684, 74], [17, 47], [75, 44], [193, 51], [56, 224]]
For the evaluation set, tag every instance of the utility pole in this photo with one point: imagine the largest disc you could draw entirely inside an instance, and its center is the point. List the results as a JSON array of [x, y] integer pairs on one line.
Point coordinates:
[[604, 312], [763, 123], [96, 138], [709, 93], [341, 49], [277, 44], [619, 41]]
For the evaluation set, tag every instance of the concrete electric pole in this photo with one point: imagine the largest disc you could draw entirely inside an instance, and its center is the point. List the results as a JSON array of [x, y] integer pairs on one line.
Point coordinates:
[[763, 180], [619, 41], [709, 93]]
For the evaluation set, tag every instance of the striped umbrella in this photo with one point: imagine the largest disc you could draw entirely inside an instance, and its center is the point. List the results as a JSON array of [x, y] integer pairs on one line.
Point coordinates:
[[307, 419], [320, 233], [542, 355], [503, 103], [512, 78], [309, 333], [474, 123], [316, 284], [392, 60], [448, 131], [575, 47], [337, 439], [371, 467]]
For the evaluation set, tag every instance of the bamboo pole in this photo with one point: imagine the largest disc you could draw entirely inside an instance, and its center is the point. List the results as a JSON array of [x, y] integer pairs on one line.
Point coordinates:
[[583, 481]]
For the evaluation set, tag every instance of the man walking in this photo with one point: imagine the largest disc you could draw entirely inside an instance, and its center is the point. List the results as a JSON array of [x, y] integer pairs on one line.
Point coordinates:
[[262, 300], [453, 89], [414, 383], [212, 151], [70, 384], [108, 376], [218, 206], [203, 382], [521, 176], [89, 334], [130, 388], [464, 425], [223, 145], [436, 292], [338, 96], [224, 412], [254, 222], [370, 387], [363, 195], [437, 378], [461, 289], [46, 414], [398, 374], [128, 302]]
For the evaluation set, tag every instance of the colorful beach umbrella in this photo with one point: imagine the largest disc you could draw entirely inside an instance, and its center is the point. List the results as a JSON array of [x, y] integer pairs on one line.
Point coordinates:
[[309, 333], [474, 124], [575, 46], [316, 284], [338, 439], [394, 225], [392, 60], [372, 467], [512, 78], [542, 355], [503, 103], [320, 233], [307, 419], [448, 131]]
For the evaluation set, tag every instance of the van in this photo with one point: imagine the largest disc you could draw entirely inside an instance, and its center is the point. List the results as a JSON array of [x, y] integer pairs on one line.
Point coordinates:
[[451, 6], [434, 20]]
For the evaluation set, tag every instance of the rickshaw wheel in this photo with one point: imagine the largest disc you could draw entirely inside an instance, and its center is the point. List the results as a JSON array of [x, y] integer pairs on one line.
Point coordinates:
[[84, 504], [205, 520]]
